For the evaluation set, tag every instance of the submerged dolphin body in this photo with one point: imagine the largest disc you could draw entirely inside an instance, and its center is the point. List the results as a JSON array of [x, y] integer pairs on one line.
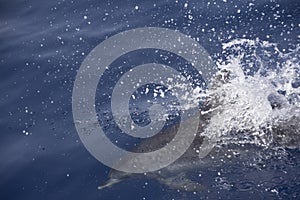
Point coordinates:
[[175, 175], [285, 133]]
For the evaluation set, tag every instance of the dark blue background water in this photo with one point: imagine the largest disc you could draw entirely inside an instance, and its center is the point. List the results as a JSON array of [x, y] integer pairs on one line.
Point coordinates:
[[42, 44]]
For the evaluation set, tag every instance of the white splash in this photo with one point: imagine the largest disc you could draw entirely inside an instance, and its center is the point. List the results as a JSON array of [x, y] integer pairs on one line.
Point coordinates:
[[244, 113]]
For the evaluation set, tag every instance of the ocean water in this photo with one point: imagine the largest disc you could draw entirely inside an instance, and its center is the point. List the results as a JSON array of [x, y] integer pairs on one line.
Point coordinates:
[[43, 43]]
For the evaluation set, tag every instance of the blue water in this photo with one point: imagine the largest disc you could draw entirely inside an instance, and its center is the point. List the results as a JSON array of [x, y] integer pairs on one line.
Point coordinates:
[[43, 43]]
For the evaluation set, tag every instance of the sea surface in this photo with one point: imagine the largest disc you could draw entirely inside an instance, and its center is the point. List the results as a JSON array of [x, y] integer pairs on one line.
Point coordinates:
[[43, 43]]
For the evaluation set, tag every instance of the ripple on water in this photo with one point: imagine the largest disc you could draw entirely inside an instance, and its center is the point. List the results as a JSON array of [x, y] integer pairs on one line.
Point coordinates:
[[244, 186]]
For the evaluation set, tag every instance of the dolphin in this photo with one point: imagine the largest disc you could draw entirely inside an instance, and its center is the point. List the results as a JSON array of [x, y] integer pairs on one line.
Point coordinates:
[[285, 133]]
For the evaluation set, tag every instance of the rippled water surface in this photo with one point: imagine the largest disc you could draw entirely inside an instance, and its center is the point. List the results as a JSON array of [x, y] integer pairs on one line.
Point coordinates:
[[254, 43]]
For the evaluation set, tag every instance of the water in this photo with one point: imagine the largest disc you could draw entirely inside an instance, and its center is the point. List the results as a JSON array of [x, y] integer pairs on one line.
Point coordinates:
[[44, 43]]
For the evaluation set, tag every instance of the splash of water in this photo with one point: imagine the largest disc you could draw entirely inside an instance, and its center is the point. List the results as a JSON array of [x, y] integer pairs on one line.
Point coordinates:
[[257, 95]]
